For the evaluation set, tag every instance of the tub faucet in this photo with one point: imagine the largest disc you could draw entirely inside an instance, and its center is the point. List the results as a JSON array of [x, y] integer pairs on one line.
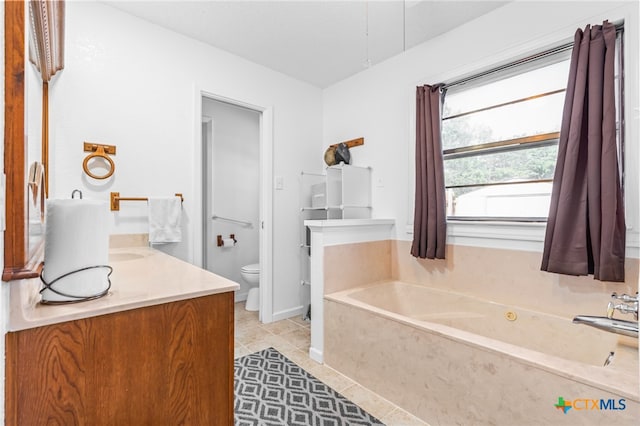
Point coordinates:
[[628, 305]]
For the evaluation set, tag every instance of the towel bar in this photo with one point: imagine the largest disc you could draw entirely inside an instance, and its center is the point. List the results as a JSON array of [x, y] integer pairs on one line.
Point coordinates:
[[116, 198]]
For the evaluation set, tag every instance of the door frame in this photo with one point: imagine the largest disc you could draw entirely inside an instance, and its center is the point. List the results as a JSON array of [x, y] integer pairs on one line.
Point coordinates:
[[265, 225]]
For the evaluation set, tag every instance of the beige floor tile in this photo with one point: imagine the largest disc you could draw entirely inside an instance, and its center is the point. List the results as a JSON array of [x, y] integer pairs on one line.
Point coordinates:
[[250, 335], [241, 350], [270, 341], [332, 378], [301, 358], [369, 401], [300, 338], [241, 315], [281, 327], [298, 320], [399, 417]]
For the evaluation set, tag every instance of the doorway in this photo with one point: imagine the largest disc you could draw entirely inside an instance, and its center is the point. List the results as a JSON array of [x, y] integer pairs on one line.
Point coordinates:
[[234, 164]]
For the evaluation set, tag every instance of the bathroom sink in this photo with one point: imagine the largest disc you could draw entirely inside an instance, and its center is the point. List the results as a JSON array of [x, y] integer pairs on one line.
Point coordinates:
[[612, 325]]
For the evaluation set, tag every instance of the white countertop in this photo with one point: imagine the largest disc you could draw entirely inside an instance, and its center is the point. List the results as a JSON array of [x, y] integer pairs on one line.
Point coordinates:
[[141, 277]]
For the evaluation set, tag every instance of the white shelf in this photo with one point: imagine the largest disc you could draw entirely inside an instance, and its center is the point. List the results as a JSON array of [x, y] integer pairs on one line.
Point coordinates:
[[342, 194]]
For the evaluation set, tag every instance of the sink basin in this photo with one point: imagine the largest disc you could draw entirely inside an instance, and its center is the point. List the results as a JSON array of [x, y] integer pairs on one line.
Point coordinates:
[[612, 325]]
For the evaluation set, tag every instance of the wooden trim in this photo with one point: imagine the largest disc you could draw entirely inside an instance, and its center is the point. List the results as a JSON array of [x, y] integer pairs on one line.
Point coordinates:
[[45, 138], [46, 44], [10, 380], [351, 143], [31, 269], [16, 254]]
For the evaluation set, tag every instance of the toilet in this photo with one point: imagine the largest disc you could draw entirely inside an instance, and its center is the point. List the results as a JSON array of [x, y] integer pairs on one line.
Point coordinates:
[[251, 275]]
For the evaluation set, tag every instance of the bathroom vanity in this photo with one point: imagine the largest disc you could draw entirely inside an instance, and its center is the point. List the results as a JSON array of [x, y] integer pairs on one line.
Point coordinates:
[[158, 349]]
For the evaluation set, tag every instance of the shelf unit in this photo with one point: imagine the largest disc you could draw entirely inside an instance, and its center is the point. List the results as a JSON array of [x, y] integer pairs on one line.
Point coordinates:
[[342, 192]]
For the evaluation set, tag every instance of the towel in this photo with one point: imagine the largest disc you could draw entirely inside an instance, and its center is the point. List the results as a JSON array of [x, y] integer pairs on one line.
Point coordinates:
[[164, 219]]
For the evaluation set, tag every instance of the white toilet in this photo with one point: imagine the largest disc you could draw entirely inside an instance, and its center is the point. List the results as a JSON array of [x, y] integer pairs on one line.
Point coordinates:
[[251, 275]]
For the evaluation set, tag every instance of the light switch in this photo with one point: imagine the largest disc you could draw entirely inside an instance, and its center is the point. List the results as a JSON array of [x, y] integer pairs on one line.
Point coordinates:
[[279, 184]]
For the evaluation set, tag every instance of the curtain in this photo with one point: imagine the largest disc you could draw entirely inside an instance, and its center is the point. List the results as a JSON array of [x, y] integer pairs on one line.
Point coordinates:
[[429, 223], [586, 228]]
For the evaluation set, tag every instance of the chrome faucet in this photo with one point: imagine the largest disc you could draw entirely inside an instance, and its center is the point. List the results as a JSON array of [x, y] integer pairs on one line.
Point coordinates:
[[628, 305], [623, 303]]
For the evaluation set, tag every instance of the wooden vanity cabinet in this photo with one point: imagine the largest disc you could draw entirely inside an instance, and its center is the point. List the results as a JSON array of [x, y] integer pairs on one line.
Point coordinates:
[[169, 364]]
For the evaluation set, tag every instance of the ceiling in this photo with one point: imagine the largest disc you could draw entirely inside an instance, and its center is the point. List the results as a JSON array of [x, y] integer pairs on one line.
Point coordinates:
[[319, 42]]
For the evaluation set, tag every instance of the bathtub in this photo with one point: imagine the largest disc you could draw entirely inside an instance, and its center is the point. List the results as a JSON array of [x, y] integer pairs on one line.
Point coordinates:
[[454, 359]]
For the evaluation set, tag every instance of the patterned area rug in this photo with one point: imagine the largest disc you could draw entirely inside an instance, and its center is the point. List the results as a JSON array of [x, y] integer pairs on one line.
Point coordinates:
[[271, 390]]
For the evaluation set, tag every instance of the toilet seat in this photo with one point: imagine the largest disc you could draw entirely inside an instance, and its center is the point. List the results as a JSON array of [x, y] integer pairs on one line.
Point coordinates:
[[254, 268]]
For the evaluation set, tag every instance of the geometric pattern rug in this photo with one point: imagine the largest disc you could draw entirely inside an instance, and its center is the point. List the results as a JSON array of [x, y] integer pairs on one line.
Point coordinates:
[[271, 390]]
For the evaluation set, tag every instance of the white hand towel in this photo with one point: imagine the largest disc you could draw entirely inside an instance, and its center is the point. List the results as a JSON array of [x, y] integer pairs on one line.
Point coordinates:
[[164, 219]]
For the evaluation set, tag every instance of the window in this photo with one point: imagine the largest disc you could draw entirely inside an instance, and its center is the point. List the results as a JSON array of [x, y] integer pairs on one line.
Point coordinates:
[[500, 135]]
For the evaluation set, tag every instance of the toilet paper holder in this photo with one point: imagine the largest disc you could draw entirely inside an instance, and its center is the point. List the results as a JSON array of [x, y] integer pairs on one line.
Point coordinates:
[[221, 241]]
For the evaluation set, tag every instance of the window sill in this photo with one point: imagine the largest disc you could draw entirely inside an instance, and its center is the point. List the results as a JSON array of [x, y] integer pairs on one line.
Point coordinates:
[[527, 236]]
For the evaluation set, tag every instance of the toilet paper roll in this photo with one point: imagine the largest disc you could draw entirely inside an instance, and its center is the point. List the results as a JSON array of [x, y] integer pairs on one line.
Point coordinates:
[[76, 236], [228, 242]]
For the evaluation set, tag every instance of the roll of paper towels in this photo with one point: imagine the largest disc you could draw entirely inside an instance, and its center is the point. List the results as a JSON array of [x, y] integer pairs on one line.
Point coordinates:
[[76, 237], [228, 242]]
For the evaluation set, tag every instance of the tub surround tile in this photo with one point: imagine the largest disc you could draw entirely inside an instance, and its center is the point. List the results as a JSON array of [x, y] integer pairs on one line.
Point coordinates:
[[511, 277], [445, 381], [452, 381], [352, 265]]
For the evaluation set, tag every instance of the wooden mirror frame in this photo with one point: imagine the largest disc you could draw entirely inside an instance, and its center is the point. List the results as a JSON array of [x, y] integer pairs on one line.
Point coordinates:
[[47, 33]]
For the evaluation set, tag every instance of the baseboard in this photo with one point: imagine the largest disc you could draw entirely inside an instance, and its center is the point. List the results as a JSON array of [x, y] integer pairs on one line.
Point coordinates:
[[287, 313], [315, 355]]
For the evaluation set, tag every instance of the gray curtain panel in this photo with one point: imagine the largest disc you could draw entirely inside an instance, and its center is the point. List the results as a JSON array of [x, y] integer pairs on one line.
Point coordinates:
[[429, 223], [586, 228]]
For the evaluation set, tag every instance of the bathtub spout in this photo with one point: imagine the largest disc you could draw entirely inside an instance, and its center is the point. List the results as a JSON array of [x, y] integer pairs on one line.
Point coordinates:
[[626, 328]]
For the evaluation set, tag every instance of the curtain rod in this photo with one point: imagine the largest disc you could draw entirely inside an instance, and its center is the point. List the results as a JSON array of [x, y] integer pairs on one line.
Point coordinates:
[[554, 50]]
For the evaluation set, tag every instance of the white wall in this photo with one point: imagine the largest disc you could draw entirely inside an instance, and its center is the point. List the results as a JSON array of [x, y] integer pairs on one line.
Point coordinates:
[[133, 84], [379, 103], [235, 184]]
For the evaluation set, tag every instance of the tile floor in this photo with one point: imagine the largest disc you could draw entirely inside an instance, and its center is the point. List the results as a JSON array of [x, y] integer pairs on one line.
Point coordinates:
[[291, 337]]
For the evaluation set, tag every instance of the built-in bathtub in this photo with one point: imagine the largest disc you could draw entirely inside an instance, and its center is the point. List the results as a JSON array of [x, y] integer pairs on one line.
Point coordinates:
[[455, 359]]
